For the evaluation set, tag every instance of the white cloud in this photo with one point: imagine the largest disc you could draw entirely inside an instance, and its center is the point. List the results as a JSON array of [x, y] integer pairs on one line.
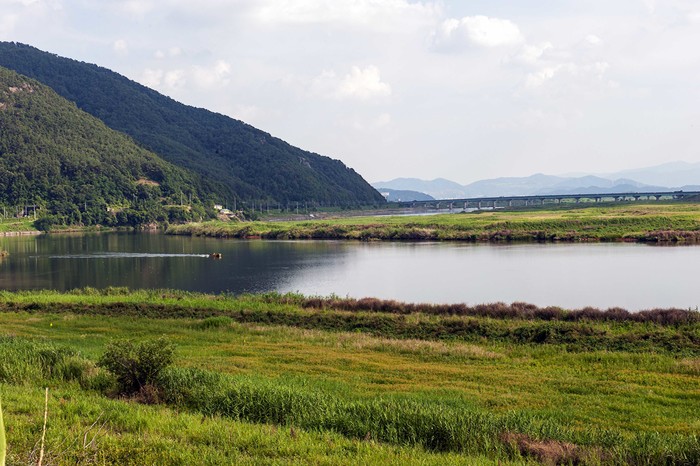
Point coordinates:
[[531, 54], [121, 47], [594, 40], [365, 122], [360, 84], [208, 78], [363, 84], [137, 9], [151, 78], [174, 79], [172, 52], [375, 13], [571, 78], [212, 77], [650, 6], [53, 4], [7, 25], [481, 31], [541, 76], [158, 79]]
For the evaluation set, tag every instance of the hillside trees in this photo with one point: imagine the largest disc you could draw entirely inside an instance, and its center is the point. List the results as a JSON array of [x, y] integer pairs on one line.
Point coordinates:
[[74, 168], [234, 159]]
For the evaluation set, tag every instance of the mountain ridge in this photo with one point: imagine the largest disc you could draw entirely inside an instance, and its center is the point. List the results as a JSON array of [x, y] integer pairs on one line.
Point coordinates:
[[236, 160], [541, 184]]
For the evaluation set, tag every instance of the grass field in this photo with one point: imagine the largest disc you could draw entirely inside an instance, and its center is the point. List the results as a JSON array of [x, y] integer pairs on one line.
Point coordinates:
[[289, 379], [16, 225], [653, 222]]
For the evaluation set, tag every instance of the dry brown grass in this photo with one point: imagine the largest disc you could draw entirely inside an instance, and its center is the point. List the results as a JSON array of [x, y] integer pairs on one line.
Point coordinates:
[[552, 452], [362, 341], [690, 365], [413, 346]]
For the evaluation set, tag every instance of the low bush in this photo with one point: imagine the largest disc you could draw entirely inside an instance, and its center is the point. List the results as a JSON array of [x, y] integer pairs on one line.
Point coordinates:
[[137, 365]]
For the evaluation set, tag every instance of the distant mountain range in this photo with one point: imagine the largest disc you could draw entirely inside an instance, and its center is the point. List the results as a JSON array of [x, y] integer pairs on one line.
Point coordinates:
[[671, 176], [398, 195]]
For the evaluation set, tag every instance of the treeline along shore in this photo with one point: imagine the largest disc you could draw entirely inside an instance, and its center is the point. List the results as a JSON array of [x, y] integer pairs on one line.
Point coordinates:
[[291, 378], [653, 223]]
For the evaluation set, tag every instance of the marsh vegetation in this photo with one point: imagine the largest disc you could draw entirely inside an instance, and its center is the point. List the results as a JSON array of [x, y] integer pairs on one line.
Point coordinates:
[[288, 378]]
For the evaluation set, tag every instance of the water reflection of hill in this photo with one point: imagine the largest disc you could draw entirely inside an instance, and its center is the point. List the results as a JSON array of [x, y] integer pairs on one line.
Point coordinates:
[[71, 261]]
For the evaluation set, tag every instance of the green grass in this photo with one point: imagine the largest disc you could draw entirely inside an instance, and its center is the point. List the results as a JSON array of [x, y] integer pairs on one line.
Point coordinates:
[[86, 428], [653, 222], [17, 225], [582, 334], [412, 400]]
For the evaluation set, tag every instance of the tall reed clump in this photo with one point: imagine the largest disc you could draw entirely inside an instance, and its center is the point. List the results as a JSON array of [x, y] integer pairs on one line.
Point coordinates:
[[445, 427], [25, 360]]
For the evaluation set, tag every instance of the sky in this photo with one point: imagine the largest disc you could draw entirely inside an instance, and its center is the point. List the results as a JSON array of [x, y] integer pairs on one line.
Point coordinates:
[[463, 90]]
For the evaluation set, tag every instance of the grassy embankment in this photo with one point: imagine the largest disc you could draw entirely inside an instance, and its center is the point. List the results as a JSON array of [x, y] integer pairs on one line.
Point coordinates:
[[291, 379], [653, 222], [12, 225]]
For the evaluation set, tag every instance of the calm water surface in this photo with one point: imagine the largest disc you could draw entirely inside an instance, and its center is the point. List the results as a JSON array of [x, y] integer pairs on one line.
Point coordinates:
[[570, 275]]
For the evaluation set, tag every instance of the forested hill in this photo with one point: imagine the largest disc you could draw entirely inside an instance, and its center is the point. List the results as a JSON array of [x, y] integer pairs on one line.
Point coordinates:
[[237, 159], [75, 168]]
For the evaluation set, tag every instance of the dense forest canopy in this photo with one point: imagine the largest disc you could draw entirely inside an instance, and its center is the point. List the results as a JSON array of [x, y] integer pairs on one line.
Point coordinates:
[[235, 160], [76, 170]]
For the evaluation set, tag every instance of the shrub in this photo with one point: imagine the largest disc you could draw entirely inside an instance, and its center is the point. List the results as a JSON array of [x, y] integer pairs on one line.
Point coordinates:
[[137, 365]]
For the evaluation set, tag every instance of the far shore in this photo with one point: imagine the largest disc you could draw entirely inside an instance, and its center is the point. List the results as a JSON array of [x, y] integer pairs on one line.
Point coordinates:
[[662, 223], [646, 223]]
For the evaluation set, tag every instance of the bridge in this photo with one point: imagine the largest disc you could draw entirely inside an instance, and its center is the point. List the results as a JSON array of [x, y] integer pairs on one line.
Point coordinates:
[[543, 199]]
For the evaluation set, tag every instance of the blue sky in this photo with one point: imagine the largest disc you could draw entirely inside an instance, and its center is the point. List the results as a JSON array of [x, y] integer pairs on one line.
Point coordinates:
[[456, 89]]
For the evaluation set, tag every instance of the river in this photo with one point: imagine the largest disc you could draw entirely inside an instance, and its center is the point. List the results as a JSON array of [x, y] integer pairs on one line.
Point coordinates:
[[603, 275]]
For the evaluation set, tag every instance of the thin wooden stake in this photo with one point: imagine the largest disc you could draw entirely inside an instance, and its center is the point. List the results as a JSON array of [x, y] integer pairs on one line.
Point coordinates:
[[43, 433]]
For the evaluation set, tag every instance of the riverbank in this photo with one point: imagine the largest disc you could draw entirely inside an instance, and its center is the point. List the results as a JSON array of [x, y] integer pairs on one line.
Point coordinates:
[[18, 227], [295, 379], [653, 222]]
